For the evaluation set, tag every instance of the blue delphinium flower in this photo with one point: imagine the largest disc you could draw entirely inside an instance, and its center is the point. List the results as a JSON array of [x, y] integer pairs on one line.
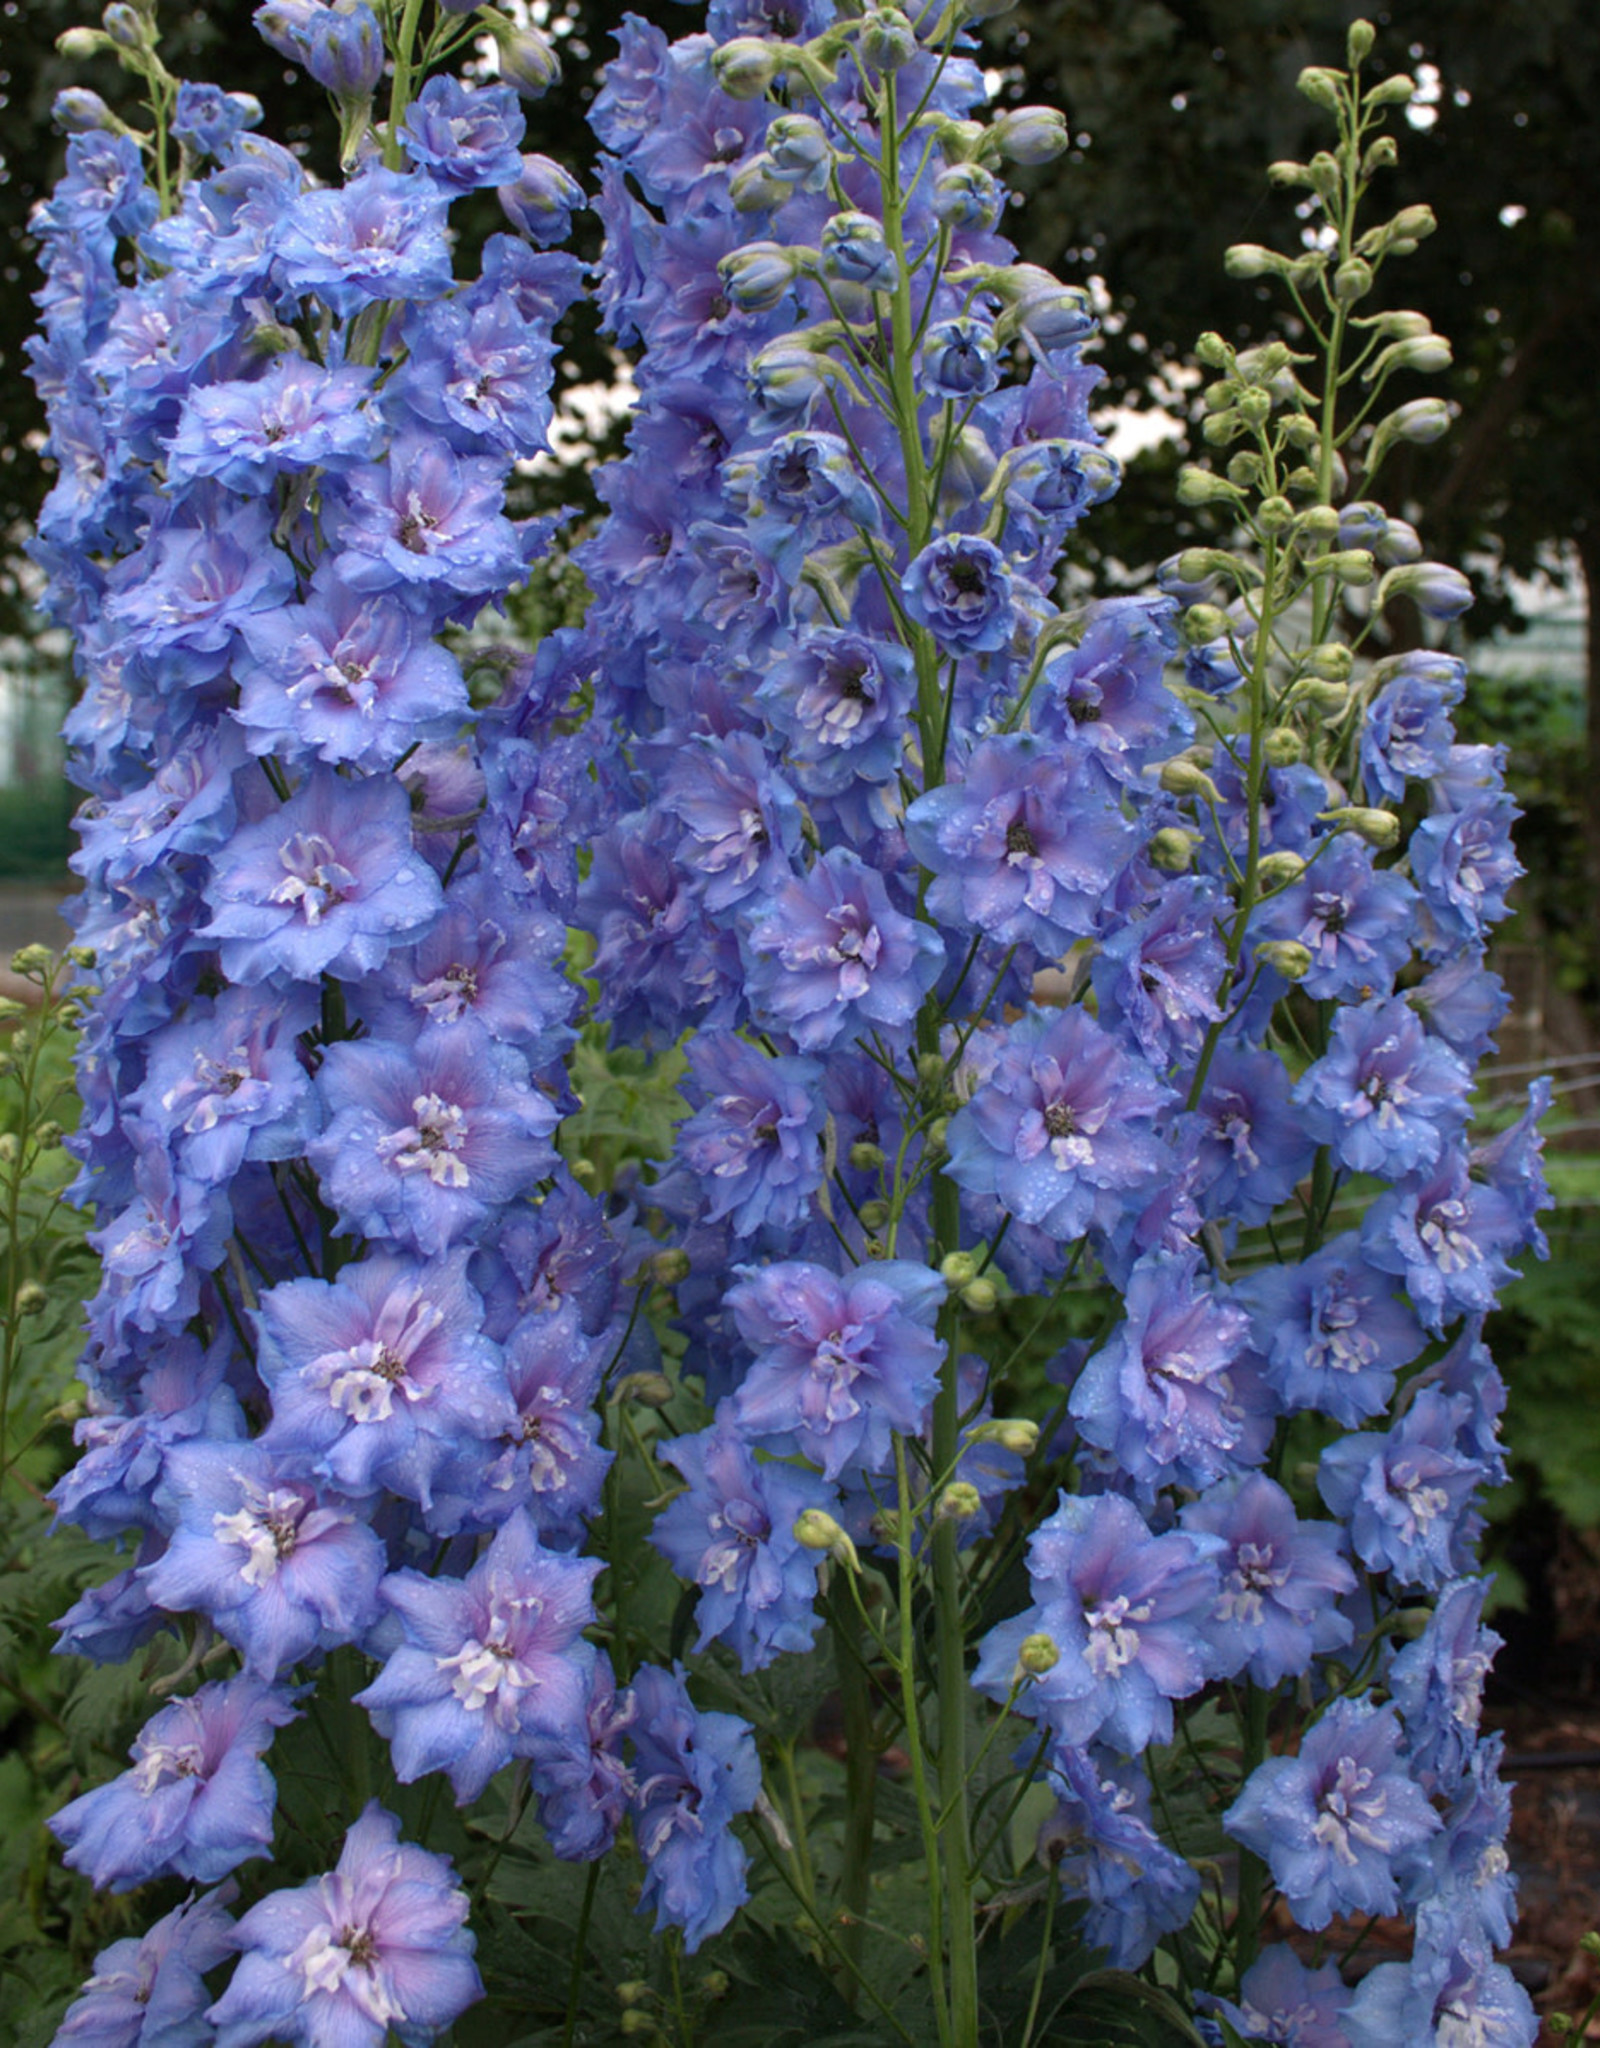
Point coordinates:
[[550, 1460], [428, 520], [1156, 975], [1061, 1130], [1331, 1821], [1127, 1612], [1103, 1844], [1406, 1493], [380, 1941], [1446, 1236], [840, 700], [1254, 1150], [279, 1569], [326, 883], [1157, 1396], [1283, 2001], [198, 1800], [1464, 865], [295, 416], [422, 1146], [841, 1360], [1354, 919], [490, 1663], [1385, 1097], [754, 1146], [693, 1772], [381, 237], [379, 1377], [830, 957], [731, 1533], [149, 1991], [1024, 846], [959, 587], [1437, 1684], [1452, 1988], [227, 1083], [1407, 733], [1332, 1331], [465, 135], [1281, 1579], [584, 1790]]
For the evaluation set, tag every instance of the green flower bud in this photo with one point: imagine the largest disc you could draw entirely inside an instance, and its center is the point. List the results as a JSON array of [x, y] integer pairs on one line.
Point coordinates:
[[937, 1142], [1283, 747], [1325, 174], [1378, 828], [1182, 778], [866, 1157], [1244, 469], [635, 1992], [1255, 407], [981, 1296], [669, 1267], [1288, 956], [1172, 851], [1329, 662], [1352, 281], [1250, 260], [1320, 522], [755, 186], [1428, 353], [1037, 1654], [1358, 42], [33, 963], [1203, 622], [886, 39], [1392, 92], [48, 1135], [1354, 566], [9, 1146], [1205, 487], [1321, 86], [958, 1269], [1326, 697], [874, 1215], [1278, 870], [1030, 135], [636, 2021], [959, 1502], [745, 67], [643, 1390], [1590, 1943], [32, 1299], [715, 1984], [1287, 172], [1382, 156], [1275, 515], [79, 44], [1194, 565], [1402, 326], [931, 1069], [1213, 351], [1015, 1433], [817, 1530], [1219, 428]]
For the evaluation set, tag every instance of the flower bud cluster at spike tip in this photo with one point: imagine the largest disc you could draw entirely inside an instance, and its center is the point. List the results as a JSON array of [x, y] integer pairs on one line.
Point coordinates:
[[999, 956]]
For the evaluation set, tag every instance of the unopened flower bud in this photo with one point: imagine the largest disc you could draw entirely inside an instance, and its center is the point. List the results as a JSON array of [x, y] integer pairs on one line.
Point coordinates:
[[1288, 956], [637, 2021], [540, 203], [931, 1069], [1213, 351], [1249, 260], [981, 1296], [745, 67], [856, 251], [866, 1157], [528, 61], [874, 1215], [79, 44], [1283, 747], [966, 196], [1277, 870], [1358, 42], [1383, 155], [634, 1992], [1037, 1654], [32, 1299], [33, 962], [886, 40], [643, 1390], [343, 51], [1320, 86], [80, 111], [937, 1142], [1031, 135], [958, 1269], [959, 1502], [757, 276], [1437, 590], [1182, 778], [715, 1984], [668, 1267], [1378, 828], [1428, 353], [756, 187], [1354, 566], [1352, 281], [1590, 1943], [1287, 172], [1013, 1433], [1203, 623], [816, 1529], [1205, 487], [126, 26], [1172, 851]]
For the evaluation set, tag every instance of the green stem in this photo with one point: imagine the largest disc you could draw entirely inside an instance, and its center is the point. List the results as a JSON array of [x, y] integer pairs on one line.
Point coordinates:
[[861, 1781], [913, 1723], [580, 1951], [400, 92], [1044, 1959], [1252, 1871]]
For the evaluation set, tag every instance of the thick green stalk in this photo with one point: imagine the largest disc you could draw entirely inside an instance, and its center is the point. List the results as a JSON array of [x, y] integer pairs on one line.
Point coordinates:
[[1252, 1871], [912, 1710], [400, 92]]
